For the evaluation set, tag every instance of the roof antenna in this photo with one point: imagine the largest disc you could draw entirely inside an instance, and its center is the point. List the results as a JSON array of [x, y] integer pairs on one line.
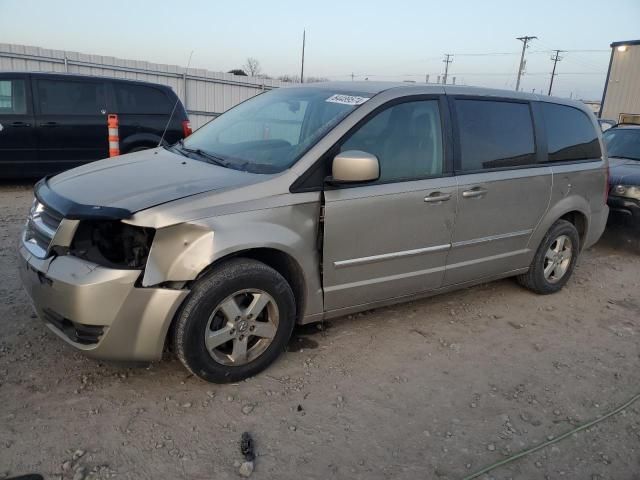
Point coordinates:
[[177, 100]]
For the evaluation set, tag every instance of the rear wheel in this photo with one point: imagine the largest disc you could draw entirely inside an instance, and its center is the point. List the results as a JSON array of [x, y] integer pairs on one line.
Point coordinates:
[[554, 260], [235, 322]]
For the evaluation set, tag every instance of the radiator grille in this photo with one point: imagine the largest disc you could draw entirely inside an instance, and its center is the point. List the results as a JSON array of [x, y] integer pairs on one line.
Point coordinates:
[[42, 224]]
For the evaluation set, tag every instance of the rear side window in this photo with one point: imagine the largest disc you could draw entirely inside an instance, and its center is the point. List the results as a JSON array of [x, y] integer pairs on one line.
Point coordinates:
[[13, 98], [141, 99], [494, 134], [61, 97], [571, 135]]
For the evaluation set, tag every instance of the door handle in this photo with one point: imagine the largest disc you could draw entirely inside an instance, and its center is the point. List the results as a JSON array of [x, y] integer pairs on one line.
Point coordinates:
[[437, 197], [20, 124], [49, 124], [475, 192]]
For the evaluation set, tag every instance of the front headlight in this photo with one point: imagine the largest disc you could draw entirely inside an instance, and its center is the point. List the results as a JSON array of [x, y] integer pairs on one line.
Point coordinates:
[[112, 243], [629, 191]]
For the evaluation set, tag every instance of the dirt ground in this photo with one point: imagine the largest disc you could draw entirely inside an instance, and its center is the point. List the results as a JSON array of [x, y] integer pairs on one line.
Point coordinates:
[[434, 389]]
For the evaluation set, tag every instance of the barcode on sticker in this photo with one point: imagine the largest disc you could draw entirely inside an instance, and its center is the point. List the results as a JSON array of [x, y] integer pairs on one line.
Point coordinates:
[[347, 99]]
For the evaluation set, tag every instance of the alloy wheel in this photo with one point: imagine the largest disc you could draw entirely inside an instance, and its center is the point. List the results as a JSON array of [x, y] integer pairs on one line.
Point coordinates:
[[242, 327], [558, 259]]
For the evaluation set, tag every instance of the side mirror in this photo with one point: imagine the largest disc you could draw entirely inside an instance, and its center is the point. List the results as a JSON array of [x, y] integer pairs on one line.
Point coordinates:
[[355, 166]]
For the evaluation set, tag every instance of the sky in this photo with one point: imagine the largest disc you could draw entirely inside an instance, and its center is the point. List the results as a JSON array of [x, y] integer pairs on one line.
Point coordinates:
[[401, 40]]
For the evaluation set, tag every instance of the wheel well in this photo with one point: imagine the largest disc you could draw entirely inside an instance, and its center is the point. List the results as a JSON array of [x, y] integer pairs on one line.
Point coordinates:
[[579, 220], [143, 143], [281, 262]]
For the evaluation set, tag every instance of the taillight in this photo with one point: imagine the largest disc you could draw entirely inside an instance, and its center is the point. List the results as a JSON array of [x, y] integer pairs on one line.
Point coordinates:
[[186, 128]]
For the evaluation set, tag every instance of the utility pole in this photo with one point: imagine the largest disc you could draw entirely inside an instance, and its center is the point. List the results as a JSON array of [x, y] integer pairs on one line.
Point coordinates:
[[447, 60], [304, 32], [556, 58], [525, 41]]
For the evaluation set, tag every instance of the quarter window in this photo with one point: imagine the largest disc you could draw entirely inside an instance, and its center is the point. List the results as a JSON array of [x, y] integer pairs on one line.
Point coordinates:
[[60, 97], [571, 135], [494, 134], [141, 99], [12, 97], [406, 138]]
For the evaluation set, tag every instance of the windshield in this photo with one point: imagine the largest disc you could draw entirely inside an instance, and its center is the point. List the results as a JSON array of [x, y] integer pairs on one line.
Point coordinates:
[[624, 143], [271, 131]]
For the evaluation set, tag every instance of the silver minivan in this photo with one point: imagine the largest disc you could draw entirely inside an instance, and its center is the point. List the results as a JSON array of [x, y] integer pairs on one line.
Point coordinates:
[[308, 203]]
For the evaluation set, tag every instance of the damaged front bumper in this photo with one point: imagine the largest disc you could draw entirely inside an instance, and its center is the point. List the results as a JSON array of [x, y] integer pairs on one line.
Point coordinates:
[[99, 310]]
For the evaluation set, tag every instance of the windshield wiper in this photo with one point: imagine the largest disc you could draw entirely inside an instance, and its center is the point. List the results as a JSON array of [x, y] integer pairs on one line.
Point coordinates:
[[201, 153]]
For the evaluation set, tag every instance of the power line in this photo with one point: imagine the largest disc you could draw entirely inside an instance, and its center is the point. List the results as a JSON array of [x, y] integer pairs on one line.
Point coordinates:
[[530, 52], [573, 54], [589, 51], [549, 50], [511, 73], [582, 63], [525, 40], [487, 54], [422, 75]]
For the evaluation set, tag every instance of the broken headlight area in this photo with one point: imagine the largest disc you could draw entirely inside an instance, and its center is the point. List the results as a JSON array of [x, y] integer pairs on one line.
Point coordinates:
[[112, 243]]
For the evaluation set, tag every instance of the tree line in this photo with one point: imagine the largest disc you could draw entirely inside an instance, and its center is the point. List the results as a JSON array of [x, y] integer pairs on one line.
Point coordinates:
[[252, 68]]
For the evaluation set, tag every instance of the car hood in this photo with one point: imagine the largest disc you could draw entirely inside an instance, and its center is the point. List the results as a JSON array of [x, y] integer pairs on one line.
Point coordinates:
[[623, 171], [141, 180]]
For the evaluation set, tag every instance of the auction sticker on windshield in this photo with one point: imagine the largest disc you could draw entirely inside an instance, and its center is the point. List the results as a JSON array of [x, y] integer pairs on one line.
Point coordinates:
[[347, 99]]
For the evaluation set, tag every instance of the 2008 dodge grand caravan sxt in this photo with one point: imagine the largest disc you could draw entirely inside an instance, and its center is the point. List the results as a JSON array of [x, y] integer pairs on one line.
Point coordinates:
[[306, 203]]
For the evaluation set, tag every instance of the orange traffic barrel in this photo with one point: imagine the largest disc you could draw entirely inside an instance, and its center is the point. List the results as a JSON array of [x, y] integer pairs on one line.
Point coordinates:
[[114, 138]]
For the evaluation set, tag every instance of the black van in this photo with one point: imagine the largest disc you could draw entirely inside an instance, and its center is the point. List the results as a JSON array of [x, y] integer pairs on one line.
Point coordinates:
[[50, 122]]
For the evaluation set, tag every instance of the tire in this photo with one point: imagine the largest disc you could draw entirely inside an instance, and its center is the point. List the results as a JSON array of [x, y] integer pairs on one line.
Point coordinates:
[[535, 279], [220, 304]]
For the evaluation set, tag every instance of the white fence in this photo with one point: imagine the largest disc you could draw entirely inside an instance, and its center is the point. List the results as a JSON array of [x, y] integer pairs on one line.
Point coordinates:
[[205, 94]]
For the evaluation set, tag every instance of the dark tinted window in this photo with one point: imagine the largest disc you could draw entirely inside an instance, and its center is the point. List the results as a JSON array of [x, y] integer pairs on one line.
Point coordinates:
[[406, 138], [12, 97], [570, 134], [494, 134], [70, 98], [141, 99]]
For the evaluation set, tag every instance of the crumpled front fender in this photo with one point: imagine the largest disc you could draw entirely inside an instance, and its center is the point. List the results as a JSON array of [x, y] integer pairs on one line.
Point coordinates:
[[182, 251], [178, 253]]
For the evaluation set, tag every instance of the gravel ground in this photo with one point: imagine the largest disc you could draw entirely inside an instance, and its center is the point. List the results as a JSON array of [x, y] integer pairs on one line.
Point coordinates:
[[437, 388]]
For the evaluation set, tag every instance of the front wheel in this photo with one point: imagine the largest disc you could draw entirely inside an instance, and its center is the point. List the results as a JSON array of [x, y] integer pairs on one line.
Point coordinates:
[[554, 260], [235, 322]]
